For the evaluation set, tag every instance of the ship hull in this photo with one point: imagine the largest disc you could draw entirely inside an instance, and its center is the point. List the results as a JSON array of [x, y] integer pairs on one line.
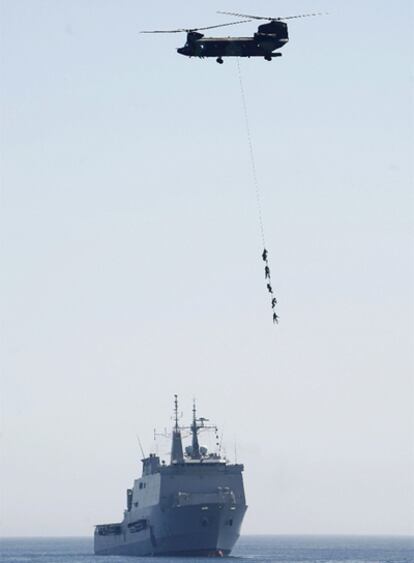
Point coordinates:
[[208, 530]]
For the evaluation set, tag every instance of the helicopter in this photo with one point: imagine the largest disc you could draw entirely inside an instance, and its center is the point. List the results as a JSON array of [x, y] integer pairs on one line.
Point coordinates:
[[269, 37]]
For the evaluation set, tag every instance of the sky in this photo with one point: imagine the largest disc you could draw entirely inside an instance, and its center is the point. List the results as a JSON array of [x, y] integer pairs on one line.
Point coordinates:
[[131, 265]]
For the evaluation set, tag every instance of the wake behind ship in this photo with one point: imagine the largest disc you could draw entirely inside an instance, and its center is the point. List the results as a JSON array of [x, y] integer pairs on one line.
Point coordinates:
[[194, 506]]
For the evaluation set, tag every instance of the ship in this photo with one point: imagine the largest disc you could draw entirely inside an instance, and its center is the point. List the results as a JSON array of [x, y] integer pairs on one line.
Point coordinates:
[[192, 506]]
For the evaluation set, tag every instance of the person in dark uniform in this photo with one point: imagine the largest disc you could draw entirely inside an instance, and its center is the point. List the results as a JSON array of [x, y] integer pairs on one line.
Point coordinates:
[[269, 288], [275, 319], [264, 255], [274, 302], [267, 272]]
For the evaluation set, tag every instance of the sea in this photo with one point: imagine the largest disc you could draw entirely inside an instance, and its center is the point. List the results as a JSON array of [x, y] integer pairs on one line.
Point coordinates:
[[280, 549]]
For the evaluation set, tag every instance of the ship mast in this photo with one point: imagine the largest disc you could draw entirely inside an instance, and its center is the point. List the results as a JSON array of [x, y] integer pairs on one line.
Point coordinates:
[[194, 431], [177, 455]]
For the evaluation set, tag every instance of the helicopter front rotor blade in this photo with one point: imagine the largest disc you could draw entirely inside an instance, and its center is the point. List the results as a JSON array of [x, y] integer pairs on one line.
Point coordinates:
[[194, 28], [220, 25], [165, 31]]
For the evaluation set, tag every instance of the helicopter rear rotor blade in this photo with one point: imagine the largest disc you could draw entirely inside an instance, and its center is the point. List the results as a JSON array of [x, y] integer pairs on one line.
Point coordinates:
[[194, 28], [250, 17], [304, 16]]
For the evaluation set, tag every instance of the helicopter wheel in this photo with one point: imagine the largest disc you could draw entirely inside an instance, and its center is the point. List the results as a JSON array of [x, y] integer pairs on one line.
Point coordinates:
[[268, 57], [220, 60]]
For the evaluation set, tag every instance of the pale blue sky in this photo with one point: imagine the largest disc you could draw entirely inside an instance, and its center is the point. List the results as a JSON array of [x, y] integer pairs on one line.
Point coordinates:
[[131, 259]]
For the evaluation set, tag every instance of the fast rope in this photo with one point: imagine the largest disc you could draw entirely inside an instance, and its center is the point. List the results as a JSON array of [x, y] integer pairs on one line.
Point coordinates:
[[265, 253]]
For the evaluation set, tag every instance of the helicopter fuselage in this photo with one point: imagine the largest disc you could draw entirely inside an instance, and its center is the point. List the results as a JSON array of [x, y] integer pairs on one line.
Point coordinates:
[[269, 38]]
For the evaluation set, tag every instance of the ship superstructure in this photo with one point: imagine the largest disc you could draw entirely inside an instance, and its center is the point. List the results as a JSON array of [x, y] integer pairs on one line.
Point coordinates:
[[193, 506]]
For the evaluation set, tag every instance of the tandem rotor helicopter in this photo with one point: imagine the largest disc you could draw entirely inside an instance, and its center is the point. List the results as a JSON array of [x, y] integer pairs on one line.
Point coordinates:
[[268, 38]]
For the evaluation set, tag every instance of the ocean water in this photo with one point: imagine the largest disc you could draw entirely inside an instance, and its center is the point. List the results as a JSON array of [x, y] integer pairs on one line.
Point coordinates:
[[289, 549]]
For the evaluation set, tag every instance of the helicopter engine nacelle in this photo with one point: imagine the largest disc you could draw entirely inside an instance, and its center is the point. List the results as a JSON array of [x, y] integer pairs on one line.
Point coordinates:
[[276, 28]]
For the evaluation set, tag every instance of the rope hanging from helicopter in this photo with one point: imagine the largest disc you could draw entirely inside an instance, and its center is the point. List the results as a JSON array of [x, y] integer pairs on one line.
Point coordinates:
[[269, 37], [265, 253]]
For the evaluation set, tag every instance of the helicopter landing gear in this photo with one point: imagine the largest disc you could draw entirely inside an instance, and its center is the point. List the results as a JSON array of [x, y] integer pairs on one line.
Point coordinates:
[[220, 60], [268, 57]]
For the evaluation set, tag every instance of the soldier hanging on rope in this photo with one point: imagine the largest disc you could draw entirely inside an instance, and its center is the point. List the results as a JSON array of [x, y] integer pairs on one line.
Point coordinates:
[[269, 287], [258, 198]]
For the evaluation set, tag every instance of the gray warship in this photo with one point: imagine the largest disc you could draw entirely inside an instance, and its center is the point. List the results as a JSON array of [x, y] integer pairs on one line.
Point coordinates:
[[193, 506]]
